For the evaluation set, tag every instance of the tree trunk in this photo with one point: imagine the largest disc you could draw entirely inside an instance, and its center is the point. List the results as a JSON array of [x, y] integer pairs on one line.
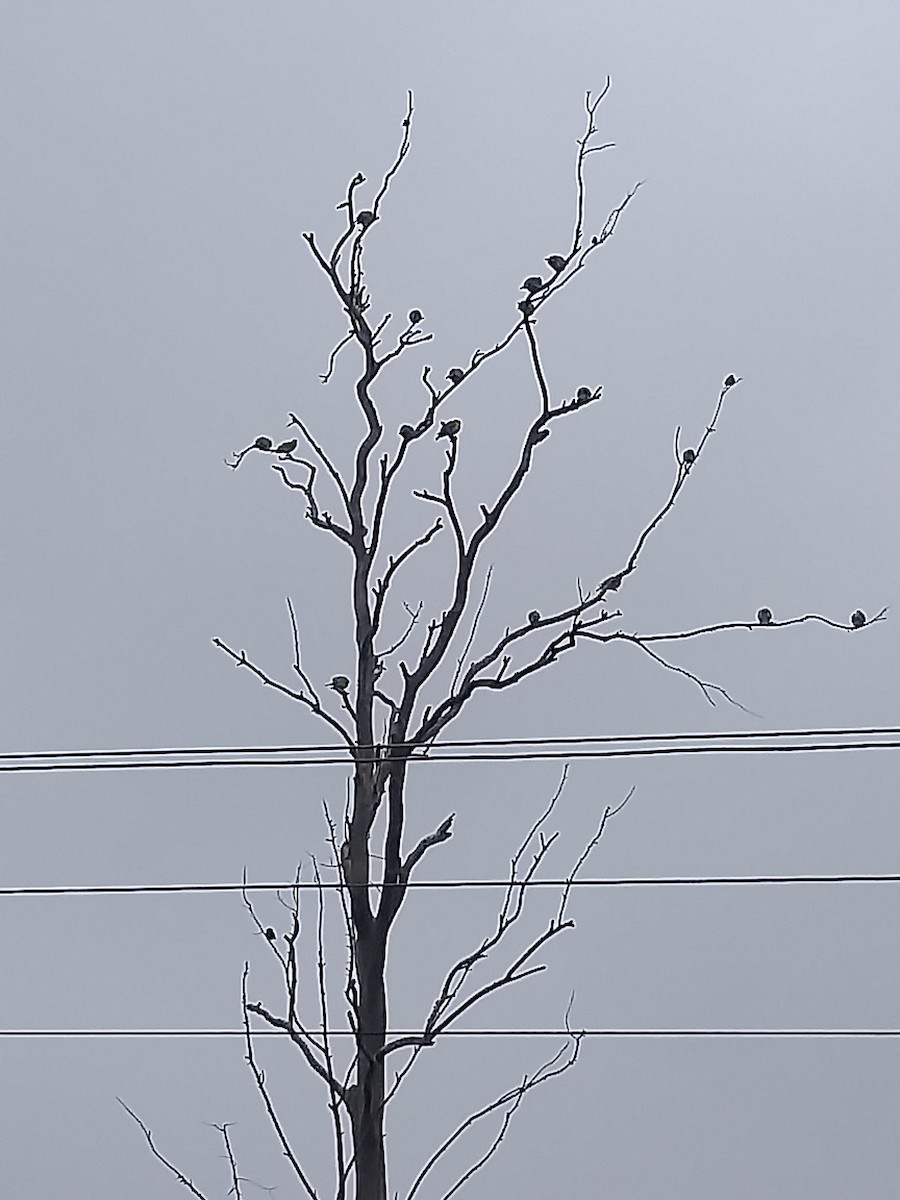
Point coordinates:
[[368, 1107]]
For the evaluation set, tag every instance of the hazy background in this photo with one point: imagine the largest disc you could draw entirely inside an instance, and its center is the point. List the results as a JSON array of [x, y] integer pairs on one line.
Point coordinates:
[[160, 310]]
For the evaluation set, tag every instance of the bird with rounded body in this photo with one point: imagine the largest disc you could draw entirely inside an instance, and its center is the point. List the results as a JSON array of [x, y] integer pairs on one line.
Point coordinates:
[[534, 617], [556, 263], [858, 619], [287, 447], [340, 683], [263, 443], [764, 616], [456, 374], [533, 284], [415, 316], [449, 429], [584, 393]]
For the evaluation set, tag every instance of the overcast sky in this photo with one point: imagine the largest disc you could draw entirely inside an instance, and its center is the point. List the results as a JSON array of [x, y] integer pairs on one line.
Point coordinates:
[[160, 311]]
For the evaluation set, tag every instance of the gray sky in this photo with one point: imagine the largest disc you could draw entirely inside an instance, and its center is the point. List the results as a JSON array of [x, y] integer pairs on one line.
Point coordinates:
[[160, 311]]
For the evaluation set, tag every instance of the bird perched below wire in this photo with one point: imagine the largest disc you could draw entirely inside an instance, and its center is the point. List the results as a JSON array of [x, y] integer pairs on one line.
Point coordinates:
[[556, 263], [764, 616], [449, 429], [858, 619], [262, 443], [533, 284], [286, 448]]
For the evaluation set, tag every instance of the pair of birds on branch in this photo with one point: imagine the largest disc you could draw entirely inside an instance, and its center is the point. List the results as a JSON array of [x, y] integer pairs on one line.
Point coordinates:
[[266, 444], [857, 619]]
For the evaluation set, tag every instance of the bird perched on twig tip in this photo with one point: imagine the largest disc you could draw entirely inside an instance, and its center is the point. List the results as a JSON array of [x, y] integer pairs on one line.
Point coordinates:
[[415, 316], [555, 262], [262, 443], [340, 683], [287, 447], [730, 381], [449, 429]]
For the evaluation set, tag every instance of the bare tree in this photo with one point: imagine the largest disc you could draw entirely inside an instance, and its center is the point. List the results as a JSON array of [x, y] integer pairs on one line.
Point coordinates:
[[380, 716]]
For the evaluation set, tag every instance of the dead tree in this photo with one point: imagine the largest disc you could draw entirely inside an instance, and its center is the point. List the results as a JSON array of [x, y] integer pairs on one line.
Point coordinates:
[[379, 715]]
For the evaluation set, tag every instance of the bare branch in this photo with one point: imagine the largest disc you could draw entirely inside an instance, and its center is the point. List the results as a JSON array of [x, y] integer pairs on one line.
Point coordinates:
[[442, 834], [260, 1079], [182, 1179], [332, 358], [311, 702], [321, 520], [323, 457], [337, 1091], [471, 638], [235, 1178], [514, 1096]]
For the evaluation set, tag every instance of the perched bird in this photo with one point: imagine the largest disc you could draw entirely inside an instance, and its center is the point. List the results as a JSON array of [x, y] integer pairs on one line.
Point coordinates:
[[340, 683], [730, 381], [858, 619], [533, 617], [365, 218], [764, 616], [613, 583], [533, 283], [555, 262], [406, 432], [263, 443], [526, 307], [415, 316], [270, 934], [456, 375], [584, 393], [688, 457], [287, 447], [449, 429]]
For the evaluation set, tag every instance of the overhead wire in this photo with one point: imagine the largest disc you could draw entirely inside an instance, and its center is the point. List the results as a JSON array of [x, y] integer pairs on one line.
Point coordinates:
[[153, 889], [544, 755], [465, 1033]]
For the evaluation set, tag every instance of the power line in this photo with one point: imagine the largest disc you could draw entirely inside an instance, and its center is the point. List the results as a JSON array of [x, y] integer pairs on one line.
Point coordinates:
[[514, 756], [462, 1033], [589, 739], [448, 884]]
